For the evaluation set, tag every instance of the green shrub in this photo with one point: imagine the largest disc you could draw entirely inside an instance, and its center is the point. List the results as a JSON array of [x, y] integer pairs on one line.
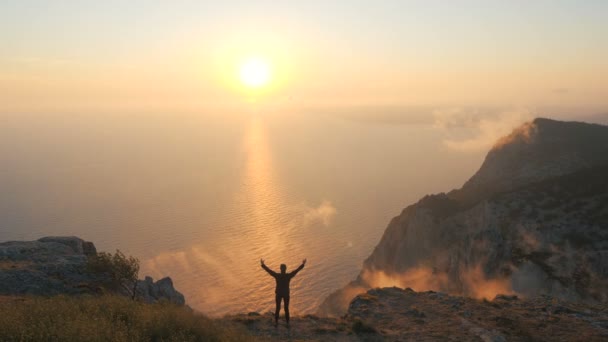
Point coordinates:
[[107, 318], [120, 271]]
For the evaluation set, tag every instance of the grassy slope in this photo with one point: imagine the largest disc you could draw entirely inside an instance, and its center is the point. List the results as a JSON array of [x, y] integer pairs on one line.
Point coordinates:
[[107, 318], [388, 314]]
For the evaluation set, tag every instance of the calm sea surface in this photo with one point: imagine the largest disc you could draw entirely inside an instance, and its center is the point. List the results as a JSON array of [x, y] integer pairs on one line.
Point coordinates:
[[202, 198]]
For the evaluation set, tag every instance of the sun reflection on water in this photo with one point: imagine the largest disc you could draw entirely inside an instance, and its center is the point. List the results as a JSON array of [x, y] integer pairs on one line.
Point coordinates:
[[224, 275]]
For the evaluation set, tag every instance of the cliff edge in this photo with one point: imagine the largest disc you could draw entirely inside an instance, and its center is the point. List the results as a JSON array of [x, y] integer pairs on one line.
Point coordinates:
[[395, 314], [532, 221]]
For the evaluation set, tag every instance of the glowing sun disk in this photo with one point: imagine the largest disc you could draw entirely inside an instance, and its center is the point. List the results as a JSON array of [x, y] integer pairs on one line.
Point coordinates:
[[255, 73]]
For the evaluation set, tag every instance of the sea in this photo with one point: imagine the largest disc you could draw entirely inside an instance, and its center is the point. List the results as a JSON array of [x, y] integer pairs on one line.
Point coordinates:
[[202, 197]]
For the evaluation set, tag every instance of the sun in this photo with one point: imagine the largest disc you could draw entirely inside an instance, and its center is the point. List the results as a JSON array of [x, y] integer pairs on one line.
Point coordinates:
[[255, 72]]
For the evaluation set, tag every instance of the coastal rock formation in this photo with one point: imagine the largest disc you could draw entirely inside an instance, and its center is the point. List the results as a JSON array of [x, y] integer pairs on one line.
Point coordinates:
[[58, 265], [151, 291], [532, 221], [48, 266]]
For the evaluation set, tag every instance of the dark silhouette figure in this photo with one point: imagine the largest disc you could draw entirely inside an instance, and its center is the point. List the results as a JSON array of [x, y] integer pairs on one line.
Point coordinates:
[[282, 289]]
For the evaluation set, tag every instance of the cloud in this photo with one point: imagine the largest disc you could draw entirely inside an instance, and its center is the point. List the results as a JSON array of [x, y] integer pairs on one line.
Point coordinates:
[[473, 280], [324, 214], [418, 279], [471, 131], [217, 272], [470, 282]]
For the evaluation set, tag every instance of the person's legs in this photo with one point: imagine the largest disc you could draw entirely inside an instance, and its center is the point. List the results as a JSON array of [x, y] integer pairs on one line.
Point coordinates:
[[278, 308], [286, 301]]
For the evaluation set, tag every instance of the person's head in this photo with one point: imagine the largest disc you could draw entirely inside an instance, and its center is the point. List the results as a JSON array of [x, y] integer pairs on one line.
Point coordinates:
[[283, 268]]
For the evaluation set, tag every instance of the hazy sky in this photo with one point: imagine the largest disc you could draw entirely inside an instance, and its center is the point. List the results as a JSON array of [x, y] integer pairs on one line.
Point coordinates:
[[155, 55]]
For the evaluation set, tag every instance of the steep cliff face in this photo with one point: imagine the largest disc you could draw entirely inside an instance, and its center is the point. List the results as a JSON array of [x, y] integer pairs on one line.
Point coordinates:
[[533, 220]]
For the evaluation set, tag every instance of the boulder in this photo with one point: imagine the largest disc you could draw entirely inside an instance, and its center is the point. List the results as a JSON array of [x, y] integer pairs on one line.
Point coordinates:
[[49, 266], [152, 292]]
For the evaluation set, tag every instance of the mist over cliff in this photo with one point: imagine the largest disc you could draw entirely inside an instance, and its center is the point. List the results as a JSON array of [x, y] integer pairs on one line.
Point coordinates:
[[532, 220]]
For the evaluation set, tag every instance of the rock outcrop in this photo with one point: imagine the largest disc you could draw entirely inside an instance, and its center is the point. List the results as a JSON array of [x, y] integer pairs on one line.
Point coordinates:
[[58, 265], [404, 315], [395, 314], [532, 221], [162, 289]]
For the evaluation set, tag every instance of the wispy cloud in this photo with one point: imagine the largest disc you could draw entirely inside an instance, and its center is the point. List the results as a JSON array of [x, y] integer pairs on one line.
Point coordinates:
[[470, 131], [324, 213]]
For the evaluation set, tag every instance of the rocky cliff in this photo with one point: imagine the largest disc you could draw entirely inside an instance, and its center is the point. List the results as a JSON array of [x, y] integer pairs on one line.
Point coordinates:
[[58, 265], [394, 314], [533, 220]]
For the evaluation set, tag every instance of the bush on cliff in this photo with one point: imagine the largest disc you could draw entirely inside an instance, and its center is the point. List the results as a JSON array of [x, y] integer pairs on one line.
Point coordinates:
[[121, 271], [106, 318]]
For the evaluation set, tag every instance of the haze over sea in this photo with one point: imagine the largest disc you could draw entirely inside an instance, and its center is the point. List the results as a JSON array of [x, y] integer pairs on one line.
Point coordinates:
[[202, 198]]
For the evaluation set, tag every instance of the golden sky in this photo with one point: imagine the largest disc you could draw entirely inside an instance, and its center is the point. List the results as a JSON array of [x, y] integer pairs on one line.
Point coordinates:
[[153, 56]]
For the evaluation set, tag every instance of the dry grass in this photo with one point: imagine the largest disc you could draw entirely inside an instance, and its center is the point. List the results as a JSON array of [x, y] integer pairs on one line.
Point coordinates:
[[107, 318]]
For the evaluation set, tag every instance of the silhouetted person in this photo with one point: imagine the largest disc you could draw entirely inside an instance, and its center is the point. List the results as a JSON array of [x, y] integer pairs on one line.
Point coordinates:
[[282, 289]]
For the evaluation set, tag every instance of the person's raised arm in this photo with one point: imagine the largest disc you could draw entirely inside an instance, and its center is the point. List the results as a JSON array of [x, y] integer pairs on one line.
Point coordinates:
[[271, 272], [294, 272]]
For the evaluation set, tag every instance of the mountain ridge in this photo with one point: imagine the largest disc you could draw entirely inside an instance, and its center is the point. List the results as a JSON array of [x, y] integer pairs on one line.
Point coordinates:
[[535, 151]]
